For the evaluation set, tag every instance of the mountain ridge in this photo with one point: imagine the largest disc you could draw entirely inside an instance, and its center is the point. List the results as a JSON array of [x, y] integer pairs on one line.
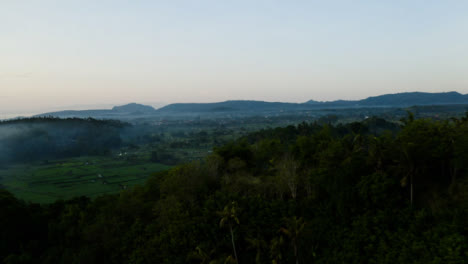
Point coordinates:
[[134, 107], [405, 98], [132, 110]]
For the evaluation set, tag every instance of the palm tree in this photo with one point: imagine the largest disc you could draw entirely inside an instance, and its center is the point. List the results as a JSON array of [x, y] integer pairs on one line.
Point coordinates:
[[258, 244], [287, 174], [203, 256], [293, 230], [275, 249], [410, 169], [229, 218]]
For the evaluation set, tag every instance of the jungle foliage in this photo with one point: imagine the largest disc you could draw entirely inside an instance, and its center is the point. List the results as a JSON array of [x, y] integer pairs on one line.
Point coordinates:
[[311, 193], [42, 138]]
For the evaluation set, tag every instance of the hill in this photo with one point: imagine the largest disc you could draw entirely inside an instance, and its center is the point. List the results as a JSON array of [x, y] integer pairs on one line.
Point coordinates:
[[399, 100], [133, 108], [230, 106], [251, 108], [416, 98], [127, 111], [387, 100]]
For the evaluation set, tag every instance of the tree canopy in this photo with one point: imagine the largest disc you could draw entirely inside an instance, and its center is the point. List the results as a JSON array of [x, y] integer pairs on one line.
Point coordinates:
[[312, 193]]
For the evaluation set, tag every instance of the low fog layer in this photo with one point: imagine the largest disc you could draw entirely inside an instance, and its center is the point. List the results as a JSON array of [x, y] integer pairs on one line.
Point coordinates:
[[43, 138]]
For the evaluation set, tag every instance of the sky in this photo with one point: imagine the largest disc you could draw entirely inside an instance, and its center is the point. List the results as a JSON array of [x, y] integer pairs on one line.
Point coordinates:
[[78, 54]]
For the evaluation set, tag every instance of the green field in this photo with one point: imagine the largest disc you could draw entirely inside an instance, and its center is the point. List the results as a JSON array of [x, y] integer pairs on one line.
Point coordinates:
[[45, 182]]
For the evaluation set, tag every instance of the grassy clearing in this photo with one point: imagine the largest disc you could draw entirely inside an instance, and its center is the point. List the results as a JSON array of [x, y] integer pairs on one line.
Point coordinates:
[[46, 182]]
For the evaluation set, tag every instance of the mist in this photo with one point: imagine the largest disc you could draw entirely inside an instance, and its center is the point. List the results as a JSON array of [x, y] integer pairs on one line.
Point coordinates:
[[39, 139]]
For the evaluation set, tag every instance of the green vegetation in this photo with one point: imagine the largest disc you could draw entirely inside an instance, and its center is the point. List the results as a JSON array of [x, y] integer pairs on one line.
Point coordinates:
[[364, 192], [91, 176], [27, 140]]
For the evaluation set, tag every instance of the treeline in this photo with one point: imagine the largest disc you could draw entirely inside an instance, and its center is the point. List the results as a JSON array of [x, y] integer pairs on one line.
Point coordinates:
[[301, 194], [42, 138]]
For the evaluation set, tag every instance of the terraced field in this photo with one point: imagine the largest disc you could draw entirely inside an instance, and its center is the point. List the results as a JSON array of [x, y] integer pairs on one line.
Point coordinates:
[[46, 182]]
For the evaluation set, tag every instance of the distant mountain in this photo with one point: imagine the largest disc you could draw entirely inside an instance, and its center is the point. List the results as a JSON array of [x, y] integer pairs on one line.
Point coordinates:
[[313, 102], [117, 112], [230, 106], [77, 113], [388, 100], [134, 108], [249, 108], [399, 100], [415, 98]]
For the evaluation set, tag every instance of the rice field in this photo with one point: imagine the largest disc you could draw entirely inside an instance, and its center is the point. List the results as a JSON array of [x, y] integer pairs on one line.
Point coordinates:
[[45, 182]]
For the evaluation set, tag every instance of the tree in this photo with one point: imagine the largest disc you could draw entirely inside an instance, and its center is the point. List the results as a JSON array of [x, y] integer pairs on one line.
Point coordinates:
[[275, 249], [287, 175], [293, 230], [205, 257], [258, 244], [229, 218]]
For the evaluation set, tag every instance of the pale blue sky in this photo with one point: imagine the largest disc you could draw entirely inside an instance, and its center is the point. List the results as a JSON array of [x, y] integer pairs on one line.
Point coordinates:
[[87, 52]]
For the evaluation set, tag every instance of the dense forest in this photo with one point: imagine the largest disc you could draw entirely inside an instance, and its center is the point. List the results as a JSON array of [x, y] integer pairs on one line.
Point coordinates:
[[42, 138], [364, 192]]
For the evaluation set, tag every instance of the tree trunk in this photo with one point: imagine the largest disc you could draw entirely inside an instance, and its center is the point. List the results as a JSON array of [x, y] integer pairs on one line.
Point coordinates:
[[454, 175], [308, 189], [295, 252], [233, 244], [411, 191], [293, 187]]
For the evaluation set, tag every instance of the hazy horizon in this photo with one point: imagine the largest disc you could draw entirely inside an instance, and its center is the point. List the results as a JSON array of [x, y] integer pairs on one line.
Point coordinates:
[[57, 54], [156, 105]]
